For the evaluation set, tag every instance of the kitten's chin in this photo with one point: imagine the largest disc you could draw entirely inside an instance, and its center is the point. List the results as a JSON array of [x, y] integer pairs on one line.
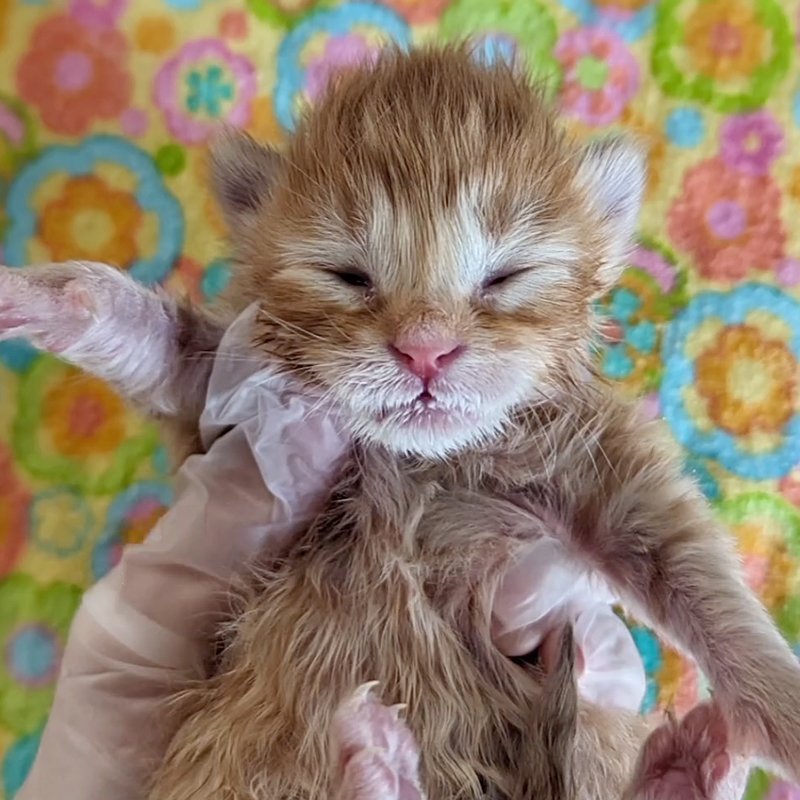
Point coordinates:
[[431, 433]]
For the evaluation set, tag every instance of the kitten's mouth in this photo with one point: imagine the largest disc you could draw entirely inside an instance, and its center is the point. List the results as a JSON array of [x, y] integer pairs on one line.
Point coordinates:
[[427, 410]]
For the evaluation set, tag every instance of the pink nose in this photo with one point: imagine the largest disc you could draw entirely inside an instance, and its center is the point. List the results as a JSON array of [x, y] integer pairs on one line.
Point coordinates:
[[427, 358]]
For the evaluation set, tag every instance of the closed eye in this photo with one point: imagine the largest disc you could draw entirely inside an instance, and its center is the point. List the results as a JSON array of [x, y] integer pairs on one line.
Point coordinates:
[[352, 277], [499, 278]]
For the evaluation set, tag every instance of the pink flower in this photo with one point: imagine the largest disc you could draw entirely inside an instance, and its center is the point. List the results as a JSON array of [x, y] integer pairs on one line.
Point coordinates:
[[98, 13], [600, 74], [780, 790], [340, 52], [751, 142], [203, 84], [74, 74], [728, 222]]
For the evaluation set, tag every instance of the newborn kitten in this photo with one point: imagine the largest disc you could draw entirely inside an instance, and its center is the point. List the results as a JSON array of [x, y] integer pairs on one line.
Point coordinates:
[[427, 253]]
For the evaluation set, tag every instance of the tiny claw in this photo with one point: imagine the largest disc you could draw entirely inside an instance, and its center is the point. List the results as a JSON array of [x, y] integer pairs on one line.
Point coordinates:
[[397, 708], [363, 691]]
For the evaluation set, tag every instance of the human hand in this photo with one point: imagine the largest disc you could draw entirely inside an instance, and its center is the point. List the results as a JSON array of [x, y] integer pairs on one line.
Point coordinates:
[[145, 629], [542, 592]]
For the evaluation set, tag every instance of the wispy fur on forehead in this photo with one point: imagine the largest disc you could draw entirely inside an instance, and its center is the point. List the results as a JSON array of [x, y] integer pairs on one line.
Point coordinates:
[[423, 127]]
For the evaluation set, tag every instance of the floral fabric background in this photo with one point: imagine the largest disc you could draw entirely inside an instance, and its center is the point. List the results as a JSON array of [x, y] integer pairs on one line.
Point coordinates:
[[105, 106]]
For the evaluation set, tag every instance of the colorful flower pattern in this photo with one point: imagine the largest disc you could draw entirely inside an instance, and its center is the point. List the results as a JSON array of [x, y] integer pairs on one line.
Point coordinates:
[[85, 216], [74, 74], [767, 530], [106, 108], [728, 221], [74, 430], [730, 364], [326, 40], [601, 76], [33, 631], [630, 19], [130, 518], [751, 142], [499, 26], [729, 54], [204, 84], [636, 310]]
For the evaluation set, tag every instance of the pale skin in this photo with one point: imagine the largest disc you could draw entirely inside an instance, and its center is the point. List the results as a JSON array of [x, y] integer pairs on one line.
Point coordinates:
[[388, 273]]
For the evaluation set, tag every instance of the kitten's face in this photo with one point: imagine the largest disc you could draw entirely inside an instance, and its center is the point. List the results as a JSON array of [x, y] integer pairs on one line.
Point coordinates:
[[428, 249]]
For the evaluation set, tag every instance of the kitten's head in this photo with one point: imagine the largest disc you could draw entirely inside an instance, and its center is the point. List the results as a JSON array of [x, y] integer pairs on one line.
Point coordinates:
[[428, 247]]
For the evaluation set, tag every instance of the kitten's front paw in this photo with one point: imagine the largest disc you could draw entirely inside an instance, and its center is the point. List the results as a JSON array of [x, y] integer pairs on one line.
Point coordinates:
[[375, 755], [684, 760], [54, 306]]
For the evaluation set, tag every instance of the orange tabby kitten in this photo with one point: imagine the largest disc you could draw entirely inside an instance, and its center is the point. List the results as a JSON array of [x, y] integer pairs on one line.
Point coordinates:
[[427, 252]]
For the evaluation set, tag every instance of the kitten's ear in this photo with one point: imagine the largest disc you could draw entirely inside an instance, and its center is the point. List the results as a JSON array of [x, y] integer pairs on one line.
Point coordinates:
[[242, 174], [613, 176]]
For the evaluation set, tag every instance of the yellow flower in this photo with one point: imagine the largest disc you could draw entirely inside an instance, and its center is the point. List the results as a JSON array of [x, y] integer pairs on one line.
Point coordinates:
[[748, 381], [92, 221], [84, 416], [725, 40]]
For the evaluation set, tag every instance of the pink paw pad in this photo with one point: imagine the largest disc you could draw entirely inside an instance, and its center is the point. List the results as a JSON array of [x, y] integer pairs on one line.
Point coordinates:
[[375, 755], [685, 760], [51, 306]]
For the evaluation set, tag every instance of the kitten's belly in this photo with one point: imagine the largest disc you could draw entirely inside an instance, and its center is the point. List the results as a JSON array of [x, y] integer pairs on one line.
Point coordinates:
[[399, 595]]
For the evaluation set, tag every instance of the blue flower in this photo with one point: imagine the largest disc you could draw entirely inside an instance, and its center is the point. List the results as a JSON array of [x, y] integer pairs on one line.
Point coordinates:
[[630, 26], [733, 308], [81, 159], [685, 127], [338, 21]]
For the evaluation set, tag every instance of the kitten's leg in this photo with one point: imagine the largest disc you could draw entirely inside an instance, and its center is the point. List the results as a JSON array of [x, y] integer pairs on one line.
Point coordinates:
[[153, 350], [634, 516], [688, 760], [374, 753]]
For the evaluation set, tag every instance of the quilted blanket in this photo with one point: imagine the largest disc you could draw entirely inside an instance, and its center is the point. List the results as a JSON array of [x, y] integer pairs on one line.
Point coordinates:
[[105, 106]]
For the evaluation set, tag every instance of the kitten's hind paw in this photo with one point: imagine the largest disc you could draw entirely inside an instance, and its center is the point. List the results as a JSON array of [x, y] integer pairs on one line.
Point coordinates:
[[684, 760], [375, 755]]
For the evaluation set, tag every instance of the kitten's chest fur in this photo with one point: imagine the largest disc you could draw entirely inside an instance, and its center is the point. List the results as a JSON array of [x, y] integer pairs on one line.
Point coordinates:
[[394, 583]]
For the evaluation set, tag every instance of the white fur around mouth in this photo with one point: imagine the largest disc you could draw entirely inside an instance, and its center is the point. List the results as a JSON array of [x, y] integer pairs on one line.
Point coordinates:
[[428, 411]]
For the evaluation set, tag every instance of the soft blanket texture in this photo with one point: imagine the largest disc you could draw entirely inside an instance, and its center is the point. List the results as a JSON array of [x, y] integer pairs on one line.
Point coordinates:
[[104, 109]]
